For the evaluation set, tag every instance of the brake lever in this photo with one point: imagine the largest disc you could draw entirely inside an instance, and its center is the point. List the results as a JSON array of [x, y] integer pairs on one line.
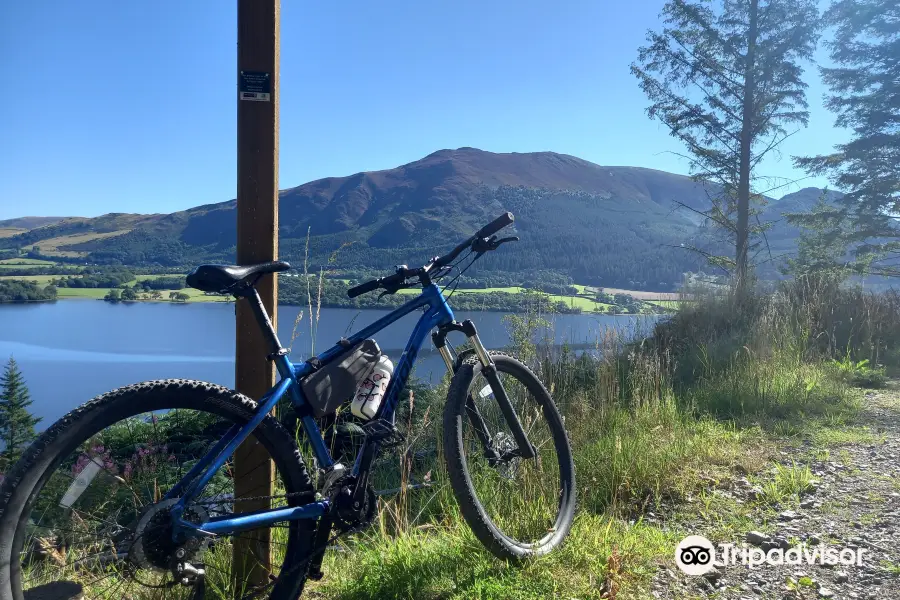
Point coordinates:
[[512, 238], [483, 245], [394, 289]]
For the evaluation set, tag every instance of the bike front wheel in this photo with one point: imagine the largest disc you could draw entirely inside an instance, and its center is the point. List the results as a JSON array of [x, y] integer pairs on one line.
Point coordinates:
[[518, 508]]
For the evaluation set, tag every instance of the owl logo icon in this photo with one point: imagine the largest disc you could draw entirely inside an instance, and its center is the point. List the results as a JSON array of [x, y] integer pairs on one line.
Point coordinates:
[[695, 555]]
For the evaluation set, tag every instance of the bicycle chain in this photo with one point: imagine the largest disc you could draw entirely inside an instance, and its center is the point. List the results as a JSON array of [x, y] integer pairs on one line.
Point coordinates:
[[250, 499]]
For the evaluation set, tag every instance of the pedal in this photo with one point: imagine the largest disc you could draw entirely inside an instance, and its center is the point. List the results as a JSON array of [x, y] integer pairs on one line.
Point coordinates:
[[381, 430], [349, 432]]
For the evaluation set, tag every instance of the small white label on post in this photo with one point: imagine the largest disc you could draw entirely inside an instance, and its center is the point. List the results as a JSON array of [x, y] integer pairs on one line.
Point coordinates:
[[81, 483], [255, 96]]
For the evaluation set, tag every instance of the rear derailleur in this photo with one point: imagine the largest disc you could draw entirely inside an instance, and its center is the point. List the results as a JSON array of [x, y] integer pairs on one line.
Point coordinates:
[[183, 571]]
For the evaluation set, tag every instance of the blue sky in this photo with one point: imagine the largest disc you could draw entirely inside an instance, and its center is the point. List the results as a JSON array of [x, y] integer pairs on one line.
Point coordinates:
[[112, 106]]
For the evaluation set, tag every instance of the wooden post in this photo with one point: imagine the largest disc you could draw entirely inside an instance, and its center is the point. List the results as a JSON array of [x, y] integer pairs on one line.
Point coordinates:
[[257, 241]]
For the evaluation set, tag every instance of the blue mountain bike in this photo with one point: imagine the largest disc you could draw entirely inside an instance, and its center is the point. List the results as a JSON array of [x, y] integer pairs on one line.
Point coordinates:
[[132, 494]]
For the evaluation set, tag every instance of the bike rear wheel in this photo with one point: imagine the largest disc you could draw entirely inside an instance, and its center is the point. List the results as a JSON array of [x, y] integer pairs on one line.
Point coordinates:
[[518, 508], [85, 503]]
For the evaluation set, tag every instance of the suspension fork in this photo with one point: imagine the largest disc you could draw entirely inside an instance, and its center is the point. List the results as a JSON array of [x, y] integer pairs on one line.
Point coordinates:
[[475, 418], [489, 370]]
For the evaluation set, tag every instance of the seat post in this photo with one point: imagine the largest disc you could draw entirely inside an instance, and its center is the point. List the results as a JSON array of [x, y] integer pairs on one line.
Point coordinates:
[[262, 317]]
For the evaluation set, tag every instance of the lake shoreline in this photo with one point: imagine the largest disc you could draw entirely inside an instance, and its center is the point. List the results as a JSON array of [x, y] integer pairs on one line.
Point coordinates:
[[94, 347], [324, 305]]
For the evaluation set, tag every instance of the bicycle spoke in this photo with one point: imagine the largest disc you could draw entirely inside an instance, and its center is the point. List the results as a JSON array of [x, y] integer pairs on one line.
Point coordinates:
[[520, 496], [94, 538]]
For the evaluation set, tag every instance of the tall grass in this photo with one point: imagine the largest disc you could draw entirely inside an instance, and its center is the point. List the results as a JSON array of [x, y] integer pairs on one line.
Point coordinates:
[[650, 421]]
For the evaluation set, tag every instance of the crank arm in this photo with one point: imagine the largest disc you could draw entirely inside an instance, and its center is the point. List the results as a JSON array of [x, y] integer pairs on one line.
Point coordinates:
[[323, 533]]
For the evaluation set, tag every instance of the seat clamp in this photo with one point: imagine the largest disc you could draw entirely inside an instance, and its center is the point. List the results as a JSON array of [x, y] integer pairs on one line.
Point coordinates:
[[281, 352]]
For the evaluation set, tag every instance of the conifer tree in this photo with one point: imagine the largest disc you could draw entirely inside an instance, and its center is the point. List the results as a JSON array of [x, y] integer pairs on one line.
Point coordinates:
[[16, 422]]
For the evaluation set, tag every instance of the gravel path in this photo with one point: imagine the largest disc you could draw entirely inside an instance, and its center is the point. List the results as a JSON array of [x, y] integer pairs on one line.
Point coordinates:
[[855, 505]]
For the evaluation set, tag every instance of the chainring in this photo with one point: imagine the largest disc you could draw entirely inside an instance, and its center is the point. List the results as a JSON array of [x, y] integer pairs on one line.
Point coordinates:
[[347, 517]]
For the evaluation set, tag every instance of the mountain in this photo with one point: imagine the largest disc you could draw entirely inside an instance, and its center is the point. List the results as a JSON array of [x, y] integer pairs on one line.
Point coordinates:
[[29, 222], [614, 226], [10, 227]]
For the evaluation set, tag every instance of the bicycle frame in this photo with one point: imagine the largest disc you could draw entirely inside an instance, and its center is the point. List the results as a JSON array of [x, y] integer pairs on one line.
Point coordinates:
[[437, 314]]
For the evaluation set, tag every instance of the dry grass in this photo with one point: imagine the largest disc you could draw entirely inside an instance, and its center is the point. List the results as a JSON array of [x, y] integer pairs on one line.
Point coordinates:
[[51, 246]]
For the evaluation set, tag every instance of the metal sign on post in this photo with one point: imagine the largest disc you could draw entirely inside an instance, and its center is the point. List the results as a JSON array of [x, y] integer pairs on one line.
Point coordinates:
[[255, 85], [257, 241]]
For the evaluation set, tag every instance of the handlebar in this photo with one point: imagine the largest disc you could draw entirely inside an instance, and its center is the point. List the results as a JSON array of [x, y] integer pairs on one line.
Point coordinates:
[[364, 288], [486, 231], [496, 225], [402, 274]]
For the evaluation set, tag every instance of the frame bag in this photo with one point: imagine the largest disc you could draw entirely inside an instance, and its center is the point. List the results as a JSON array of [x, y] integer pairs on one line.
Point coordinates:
[[330, 386]]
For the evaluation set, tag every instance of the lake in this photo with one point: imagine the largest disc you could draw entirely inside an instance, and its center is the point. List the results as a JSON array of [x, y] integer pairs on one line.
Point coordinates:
[[73, 350]]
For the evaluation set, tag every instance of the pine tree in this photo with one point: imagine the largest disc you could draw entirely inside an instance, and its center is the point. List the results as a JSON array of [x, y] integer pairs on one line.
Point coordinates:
[[865, 96], [16, 423], [726, 81], [821, 248]]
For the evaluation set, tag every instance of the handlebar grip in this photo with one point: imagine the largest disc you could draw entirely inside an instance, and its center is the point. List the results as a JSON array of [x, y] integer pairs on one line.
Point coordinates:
[[496, 225], [364, 288]]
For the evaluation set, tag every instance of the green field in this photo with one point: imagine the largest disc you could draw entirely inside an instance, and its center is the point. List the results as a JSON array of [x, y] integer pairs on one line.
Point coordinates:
[[149, 277], [585, 304], [195, 295], [44, 279], [11, 266], [81, 292], [508, 290], [583, 300], [99, 293], [40, 279], [24, 262]]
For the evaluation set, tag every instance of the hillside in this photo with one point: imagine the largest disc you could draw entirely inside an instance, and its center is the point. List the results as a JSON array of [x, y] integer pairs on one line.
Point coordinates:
[[11, 227], [27, 223], [612, 226]]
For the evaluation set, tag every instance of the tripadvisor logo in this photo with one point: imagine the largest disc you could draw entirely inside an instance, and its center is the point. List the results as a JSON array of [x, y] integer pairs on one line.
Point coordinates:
[[696, 555]]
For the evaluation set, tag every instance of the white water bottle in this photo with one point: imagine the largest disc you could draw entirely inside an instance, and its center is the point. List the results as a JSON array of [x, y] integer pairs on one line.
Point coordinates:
[[370, 392]]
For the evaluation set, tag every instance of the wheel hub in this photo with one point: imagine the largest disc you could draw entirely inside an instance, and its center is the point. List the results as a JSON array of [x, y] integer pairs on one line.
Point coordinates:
[[505, 444], [153, 547]]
